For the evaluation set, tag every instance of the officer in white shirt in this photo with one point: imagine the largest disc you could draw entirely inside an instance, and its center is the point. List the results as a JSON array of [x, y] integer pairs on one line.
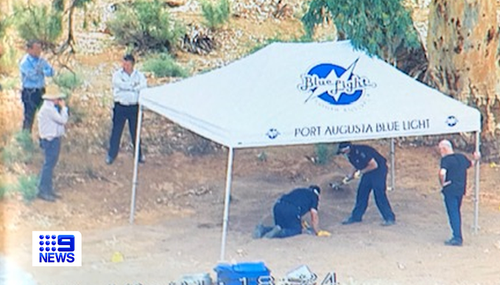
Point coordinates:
[[52, 117], [127, 84]]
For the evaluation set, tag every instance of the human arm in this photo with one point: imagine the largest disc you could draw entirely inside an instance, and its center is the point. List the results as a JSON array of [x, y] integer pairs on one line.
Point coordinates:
[[47, 69], [315, 220], [476, 157], [141, 83], [120, 83], [372, 165], [442, 177], [62, 116]]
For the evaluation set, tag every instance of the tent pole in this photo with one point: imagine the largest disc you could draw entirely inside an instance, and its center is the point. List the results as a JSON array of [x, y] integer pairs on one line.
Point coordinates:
[[136, 164], [227, 199], [476, 186], [393, 172]]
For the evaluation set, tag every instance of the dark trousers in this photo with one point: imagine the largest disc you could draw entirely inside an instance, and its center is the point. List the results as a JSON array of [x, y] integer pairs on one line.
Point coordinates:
[[375, 180], [121, 114], [51, 151], [32, 100], [453, 204], [287, 216]]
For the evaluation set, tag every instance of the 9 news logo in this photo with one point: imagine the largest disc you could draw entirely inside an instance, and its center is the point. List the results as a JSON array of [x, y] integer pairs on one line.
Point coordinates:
[[56, 248]]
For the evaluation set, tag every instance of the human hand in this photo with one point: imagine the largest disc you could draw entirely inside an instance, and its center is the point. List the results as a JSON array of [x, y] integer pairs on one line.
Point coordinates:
[[346, 179], [61, 103], [476, 155], [356, 174]]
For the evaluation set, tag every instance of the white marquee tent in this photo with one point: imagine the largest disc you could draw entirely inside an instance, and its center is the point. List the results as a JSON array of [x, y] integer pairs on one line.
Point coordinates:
[[304, 93]]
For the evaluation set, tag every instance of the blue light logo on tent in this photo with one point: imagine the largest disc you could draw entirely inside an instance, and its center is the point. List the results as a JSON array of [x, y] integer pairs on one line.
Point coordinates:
[[451, 121], [334, 84]]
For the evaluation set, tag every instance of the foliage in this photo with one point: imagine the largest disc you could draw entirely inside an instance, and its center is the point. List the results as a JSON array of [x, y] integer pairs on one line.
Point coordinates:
[[277, 39], [215, 14], [322, 153], [38, 22], [163, 65], [19, 150], [378, 26], [4, 188], [59, 4], [68, 81], [146, 25], [28, 187], [3, 26]]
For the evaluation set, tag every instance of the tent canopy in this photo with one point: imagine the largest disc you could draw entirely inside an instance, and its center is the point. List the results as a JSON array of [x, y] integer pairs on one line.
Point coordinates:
[[298, 93], [302, 93]]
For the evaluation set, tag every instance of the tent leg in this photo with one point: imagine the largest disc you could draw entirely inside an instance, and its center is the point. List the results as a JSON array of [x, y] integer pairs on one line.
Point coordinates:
[[136, 164], [476, 186], [227, 199], [393, 171]]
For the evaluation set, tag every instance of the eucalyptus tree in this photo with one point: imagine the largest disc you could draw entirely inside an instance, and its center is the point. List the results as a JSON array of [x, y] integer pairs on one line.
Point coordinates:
[[380, 27], [462, 44]]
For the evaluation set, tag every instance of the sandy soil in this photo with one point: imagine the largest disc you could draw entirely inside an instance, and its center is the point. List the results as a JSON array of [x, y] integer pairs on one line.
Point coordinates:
[[179, 217]]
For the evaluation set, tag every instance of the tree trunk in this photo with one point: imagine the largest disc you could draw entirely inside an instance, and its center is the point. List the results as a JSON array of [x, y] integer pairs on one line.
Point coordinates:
[[462, 47]]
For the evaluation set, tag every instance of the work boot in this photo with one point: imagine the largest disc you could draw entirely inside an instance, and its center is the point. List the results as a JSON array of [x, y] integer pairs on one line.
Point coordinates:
[[453, 242], [109, 160], [388, 223], [273, 233], [46, 197], [258, 232], [350, 220]]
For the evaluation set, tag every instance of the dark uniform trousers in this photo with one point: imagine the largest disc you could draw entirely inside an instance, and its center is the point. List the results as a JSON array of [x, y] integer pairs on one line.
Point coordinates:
[[287, 216], [32, 100], [453, 203], [375, 180], [121, 114]]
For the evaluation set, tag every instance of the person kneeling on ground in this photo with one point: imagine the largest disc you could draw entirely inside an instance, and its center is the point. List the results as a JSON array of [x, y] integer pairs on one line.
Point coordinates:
[[288, 211]]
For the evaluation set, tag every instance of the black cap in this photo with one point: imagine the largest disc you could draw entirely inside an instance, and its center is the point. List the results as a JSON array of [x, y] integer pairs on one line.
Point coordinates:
[[315, 189], [129, 57], [343, 146]]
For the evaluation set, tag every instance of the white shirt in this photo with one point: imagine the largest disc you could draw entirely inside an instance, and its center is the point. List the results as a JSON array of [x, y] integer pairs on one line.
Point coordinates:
[[50, 121], [126, 88]]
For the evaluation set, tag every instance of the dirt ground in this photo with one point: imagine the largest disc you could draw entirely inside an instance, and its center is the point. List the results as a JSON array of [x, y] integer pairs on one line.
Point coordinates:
[[179, 217]]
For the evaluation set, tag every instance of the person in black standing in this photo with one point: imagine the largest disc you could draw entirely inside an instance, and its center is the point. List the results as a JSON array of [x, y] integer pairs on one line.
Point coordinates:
[[453, 179], [127, 84], [288, 211], [373, 168]]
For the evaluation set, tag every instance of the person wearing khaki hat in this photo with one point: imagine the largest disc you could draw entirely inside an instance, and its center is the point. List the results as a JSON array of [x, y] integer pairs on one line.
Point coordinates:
[[52, 117]]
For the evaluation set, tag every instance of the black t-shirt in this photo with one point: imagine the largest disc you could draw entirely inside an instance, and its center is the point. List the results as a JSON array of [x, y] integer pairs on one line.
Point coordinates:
[[304, 198], [456, 166], [360, 155]]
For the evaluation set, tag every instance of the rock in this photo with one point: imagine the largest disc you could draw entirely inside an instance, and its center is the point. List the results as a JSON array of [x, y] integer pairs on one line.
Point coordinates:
[[175, 3]]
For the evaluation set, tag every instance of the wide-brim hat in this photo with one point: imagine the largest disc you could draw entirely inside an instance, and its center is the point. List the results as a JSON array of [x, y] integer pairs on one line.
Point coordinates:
[[54, 96]]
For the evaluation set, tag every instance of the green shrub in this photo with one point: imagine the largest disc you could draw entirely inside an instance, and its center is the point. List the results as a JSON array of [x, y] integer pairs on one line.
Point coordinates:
[[322, 153], [215, 14], [38, 22], [27, 185], [3, 189], [68, 81], [19, 150], [163, 65], [146, 25]]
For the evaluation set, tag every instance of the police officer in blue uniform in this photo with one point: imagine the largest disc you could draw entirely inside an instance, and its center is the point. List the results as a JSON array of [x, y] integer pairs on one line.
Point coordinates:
[[373, 168], [288, 211]]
